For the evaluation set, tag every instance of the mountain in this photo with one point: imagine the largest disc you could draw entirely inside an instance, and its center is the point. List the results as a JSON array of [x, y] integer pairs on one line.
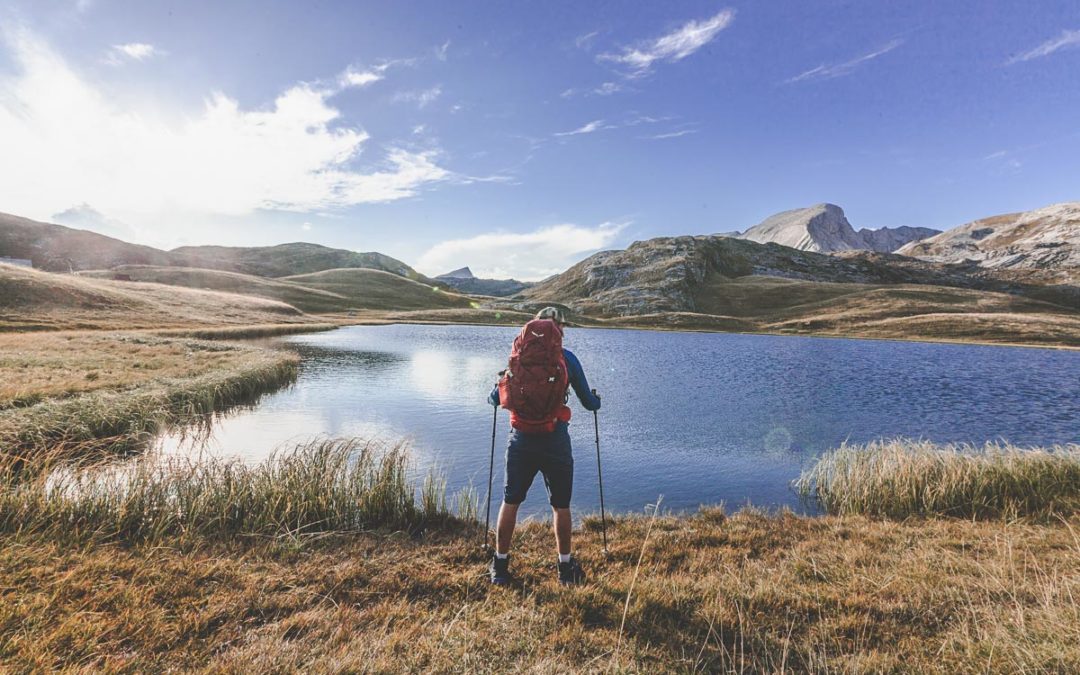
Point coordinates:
[[463, 280], [1043, 239], [58, 248], [824, 228], [717, 282], [463, 273]]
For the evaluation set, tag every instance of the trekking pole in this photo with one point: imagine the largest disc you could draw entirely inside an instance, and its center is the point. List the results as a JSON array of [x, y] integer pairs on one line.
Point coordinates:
[[600, 476], [491, 471]]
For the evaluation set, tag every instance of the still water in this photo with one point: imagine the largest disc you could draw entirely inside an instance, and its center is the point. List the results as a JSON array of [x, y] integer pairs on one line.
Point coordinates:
[[698, 418]]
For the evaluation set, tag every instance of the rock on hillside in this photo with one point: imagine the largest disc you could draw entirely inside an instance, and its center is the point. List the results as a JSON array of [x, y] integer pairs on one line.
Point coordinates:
[[824, 228], [1046, 238]]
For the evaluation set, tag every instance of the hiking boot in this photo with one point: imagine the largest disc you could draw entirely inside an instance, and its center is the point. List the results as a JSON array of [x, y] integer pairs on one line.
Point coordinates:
[[500, 570], [570, 573]]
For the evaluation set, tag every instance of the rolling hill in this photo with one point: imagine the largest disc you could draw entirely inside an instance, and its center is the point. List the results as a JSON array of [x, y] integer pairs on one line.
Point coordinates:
[[57, 248], [375, 289], [35, 300]]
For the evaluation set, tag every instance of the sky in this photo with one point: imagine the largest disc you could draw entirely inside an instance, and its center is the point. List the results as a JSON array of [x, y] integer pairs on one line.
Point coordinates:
[[520, 137]]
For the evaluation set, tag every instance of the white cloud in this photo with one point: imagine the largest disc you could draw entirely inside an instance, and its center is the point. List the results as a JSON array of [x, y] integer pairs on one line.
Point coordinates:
[[672, 134], [526, 256], [353, 77], [67, 142], [825, 72], [422, 98], [1067, 40], [585, 41], [442, 50], [306, 227], [673, 46], [595, 125], [132, 51], [608, 88]]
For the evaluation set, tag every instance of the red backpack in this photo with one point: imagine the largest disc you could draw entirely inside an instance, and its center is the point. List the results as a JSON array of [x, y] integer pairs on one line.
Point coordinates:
[[533, 386]]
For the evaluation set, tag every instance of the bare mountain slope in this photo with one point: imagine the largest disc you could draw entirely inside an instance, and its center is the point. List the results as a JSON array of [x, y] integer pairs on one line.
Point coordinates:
[[1044, 239], [824, 228]]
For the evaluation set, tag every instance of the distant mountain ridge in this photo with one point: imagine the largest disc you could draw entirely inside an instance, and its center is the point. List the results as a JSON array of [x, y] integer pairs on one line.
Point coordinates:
[[465, 281], [1042, 239], [62, 249], [823, 228]]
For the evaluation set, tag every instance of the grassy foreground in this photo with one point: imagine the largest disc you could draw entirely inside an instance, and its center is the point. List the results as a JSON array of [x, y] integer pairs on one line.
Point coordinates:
[[276, 568], [70, 392]]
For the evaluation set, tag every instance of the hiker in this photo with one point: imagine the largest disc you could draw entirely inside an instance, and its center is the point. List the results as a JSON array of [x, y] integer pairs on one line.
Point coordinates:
[[534, 389]]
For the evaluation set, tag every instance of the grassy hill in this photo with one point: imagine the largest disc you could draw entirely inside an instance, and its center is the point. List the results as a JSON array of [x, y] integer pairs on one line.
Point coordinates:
[[32, 299], [302, 297], [287, 259], [374, 289], [64, 249]]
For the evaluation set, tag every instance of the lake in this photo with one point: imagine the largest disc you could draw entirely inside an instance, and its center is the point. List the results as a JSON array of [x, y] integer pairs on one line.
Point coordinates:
[[699, 418]]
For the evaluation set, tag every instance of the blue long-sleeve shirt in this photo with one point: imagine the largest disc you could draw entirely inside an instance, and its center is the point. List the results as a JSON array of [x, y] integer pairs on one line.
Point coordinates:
[[588, 400]]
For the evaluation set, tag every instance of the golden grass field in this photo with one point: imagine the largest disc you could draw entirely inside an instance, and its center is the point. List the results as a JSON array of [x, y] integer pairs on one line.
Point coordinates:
[[746, 593]]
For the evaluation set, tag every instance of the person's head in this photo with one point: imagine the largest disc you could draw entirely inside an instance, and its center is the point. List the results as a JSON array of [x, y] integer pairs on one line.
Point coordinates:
[[554, 314]]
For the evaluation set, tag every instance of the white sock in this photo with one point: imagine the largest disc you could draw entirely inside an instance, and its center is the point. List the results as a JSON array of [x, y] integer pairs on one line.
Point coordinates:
[[564, 557], [502, 556]]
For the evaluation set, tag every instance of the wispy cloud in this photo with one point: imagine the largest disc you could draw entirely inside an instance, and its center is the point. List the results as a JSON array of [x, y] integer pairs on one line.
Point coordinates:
[[595, 125], [603, 89], [826, 72], [528, 256], [442, 51], [1068, 39], [671, 47], [132, 51], [672, 134], [136, 162], [421, 97], [585, 41]]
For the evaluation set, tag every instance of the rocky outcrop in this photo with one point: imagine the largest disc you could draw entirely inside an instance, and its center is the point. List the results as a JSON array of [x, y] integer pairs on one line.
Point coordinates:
[[1043, 239], [667, 274], [824, 228]]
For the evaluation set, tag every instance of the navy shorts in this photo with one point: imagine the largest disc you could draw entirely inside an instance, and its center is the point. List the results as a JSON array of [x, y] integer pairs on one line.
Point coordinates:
[[549, 454]]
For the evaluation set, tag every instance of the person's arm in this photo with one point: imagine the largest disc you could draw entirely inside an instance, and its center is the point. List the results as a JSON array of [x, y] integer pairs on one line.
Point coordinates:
[[581, 385]]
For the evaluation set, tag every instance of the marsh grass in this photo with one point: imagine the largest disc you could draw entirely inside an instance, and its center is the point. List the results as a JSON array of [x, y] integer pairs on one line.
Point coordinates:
[[898, 479], [324, 486], [181, 382]]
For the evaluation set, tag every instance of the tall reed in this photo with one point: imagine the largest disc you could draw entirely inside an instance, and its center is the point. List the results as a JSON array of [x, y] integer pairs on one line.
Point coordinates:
[[902, 478], [323, 486]]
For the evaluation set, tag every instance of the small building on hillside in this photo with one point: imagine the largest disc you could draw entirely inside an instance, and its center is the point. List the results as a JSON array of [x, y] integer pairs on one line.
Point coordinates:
[[23, 262]]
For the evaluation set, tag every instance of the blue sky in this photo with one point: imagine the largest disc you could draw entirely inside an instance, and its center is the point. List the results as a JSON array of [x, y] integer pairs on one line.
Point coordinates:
[[519, 137]]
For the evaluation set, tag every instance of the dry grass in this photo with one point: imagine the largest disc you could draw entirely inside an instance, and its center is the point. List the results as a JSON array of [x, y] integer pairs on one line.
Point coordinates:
[[749, 593], [898, 479], [91, 391], [324, 486], [35, 300]]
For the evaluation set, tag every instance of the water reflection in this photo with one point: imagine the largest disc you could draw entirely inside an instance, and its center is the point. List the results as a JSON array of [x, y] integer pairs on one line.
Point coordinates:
[[700, 418]]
